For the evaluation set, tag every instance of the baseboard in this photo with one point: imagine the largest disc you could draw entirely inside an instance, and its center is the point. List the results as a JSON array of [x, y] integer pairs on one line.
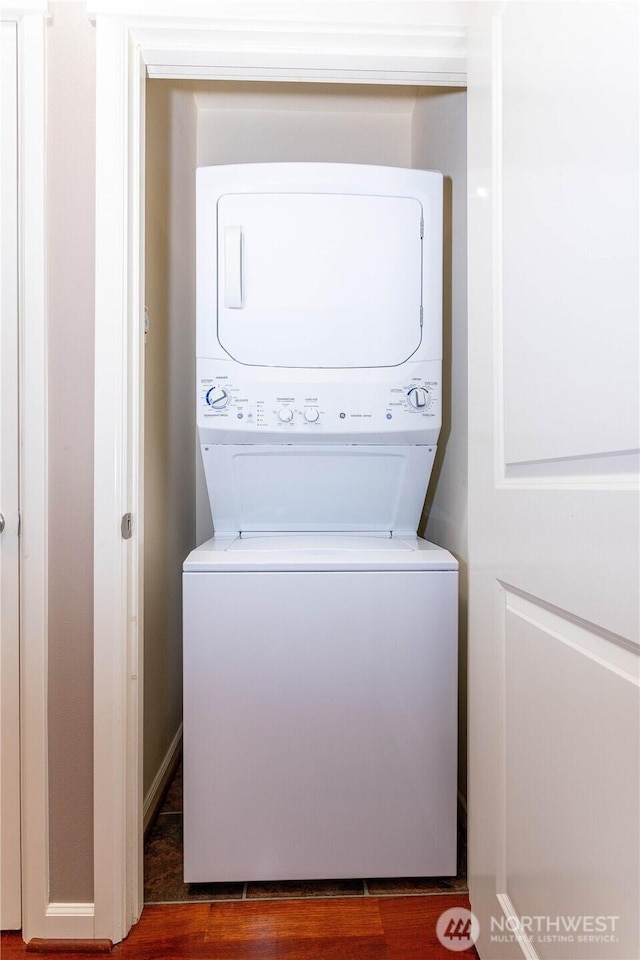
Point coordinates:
[[158, 788], [63, 922]]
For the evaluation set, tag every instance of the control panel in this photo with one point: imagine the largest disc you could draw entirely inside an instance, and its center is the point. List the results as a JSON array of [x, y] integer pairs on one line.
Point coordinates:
[[307, 412]]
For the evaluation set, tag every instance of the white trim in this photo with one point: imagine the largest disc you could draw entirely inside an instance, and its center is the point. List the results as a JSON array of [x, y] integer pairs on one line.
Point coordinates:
[[360, 17], [14, 11], [128, 37], [136, 332], [34, 475], [69, 921], [356, 42], [70, 910], [119, 332], [515, 923], [10, 866], [157, 788]]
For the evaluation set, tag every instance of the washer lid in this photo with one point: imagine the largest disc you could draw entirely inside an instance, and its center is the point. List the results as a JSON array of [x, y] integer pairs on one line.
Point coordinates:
[[319, 280], [319, 544], [295, 552]]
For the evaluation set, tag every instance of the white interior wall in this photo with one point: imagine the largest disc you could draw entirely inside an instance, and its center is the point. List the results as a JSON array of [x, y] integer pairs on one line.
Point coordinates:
[[169, 470], [439, 140]]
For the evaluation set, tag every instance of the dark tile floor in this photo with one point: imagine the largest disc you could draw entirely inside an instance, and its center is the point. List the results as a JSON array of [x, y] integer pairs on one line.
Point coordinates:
[[163, 881]]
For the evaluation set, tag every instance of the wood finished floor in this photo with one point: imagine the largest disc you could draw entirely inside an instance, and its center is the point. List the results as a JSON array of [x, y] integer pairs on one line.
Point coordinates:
[[375, 919], [360, 928]]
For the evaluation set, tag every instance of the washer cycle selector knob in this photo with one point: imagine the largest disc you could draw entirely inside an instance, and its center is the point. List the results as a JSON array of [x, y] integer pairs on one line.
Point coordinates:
[[418, 397], [217, 398], [286, 414], [311, 414]]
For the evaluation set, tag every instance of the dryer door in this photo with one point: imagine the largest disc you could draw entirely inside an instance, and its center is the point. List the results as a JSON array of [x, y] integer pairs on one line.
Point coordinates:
[[319, 280]]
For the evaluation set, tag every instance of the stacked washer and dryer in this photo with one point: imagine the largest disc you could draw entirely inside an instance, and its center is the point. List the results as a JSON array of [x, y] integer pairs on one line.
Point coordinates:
[[320, 632]]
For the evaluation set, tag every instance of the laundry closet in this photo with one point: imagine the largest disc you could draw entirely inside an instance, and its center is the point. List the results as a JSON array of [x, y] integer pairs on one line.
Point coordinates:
[[190, 125]]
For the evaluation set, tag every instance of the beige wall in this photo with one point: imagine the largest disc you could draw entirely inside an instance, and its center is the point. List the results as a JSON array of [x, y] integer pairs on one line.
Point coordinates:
[[170, 447], [440, 143], [70, 47]]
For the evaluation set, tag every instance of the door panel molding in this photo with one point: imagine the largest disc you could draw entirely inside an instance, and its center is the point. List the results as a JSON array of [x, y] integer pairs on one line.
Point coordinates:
[[572, 756], [598, 470], [576, 631]]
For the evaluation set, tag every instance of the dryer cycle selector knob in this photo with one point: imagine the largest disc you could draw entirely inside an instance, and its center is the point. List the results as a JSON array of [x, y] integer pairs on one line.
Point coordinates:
[[418, 397], [217, 398], [286, 414]]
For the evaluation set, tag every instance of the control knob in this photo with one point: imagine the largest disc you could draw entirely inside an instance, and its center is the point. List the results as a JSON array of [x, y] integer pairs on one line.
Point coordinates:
[[311, 414], [217, 398], [418, 397], [286, 414]]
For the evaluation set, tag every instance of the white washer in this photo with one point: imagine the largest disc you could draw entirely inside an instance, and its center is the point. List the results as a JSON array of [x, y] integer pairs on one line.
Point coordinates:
[[320, 708], [320, 639]]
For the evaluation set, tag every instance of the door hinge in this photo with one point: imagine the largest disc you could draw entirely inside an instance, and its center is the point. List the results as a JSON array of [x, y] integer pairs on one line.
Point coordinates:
[[125, 526], [421, 227]]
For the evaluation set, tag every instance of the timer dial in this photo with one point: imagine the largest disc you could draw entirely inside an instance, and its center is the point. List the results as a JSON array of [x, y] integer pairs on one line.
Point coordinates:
[[217, 398], [418, 397]]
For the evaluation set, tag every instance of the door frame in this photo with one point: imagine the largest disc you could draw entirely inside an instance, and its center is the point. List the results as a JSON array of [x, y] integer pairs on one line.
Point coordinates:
[[29, 16], [396, 42], [10, 867]]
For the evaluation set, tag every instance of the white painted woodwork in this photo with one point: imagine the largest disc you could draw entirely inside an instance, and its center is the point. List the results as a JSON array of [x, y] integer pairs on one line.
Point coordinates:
[[10, 897], [119, 388], [366, 41], [553, 494], [36, 922], [40, 918]]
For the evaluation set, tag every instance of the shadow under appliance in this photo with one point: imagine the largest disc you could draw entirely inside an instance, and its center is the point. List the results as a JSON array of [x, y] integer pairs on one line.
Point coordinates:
[[320, 633]]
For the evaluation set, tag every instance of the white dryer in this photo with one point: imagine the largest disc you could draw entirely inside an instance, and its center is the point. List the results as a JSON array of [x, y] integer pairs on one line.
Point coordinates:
[[320, 638]]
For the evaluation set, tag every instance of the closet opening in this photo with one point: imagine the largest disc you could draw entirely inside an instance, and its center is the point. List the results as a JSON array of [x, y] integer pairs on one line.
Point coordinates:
[[192, 124]]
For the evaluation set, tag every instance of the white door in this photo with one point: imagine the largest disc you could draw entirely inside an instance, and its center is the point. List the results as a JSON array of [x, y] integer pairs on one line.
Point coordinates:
[[553, 532], [10, 912]]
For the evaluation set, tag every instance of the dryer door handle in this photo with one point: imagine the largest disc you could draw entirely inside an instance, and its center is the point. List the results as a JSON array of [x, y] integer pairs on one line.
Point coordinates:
[[233, 268]]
